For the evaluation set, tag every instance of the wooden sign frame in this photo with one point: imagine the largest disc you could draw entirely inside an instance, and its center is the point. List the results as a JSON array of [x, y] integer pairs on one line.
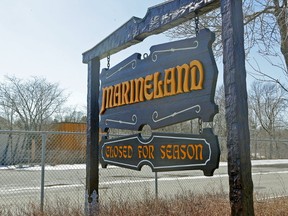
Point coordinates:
[[158, 19]]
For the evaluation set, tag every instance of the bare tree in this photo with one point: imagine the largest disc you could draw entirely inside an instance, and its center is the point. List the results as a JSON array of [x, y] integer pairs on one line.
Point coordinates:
[[268, 104], [219, 120], [7, 118], [71, 114], [266, 31], [266, 23], [32, 102], [188, 29]]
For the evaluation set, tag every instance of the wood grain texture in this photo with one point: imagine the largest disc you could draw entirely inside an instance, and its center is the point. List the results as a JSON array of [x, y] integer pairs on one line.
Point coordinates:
[[92, 151], [238, 140]]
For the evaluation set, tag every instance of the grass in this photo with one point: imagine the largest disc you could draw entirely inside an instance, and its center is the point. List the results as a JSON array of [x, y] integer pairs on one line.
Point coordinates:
[[185, 204]]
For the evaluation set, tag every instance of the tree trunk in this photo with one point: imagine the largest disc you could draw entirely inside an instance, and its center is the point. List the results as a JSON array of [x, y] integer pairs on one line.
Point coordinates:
[[280, 15]]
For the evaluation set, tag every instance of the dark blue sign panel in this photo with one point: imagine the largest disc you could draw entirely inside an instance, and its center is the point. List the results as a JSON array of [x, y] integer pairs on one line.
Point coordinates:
[[163, 152], [175, 83]]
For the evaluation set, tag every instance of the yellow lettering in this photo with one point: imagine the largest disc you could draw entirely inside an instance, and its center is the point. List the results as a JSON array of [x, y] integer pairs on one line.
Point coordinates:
[[132, 92], [188, 78], [151, 151], [169, 151], [196, 81], [107, 98], [199, 151], [147, 87], [169, 82], [109, 102], [146, 151], [120, 148], [162, 150], [125, 151], [180, 86], [125, 93], [176, 152], [182, 149], [182, 152], [158, 91], [191, 153], [117, 95], [130, 152], [114, 151], [139, 90], [140, 151], [107, 151], [103, 107]]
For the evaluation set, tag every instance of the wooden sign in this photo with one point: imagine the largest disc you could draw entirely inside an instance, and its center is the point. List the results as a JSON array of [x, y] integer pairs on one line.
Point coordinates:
[[163, 152], [175, 83]]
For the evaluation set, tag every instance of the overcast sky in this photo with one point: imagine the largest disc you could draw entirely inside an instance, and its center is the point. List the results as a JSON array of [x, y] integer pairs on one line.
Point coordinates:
[[46, 38]]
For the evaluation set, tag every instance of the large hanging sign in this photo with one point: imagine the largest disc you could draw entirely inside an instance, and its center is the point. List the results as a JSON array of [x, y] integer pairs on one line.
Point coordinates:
[[163, 152], [175, 83]]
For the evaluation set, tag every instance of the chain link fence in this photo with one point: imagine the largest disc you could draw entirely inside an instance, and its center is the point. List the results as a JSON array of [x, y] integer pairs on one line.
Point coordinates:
[[41, 167], [260, 148], [47, 167]]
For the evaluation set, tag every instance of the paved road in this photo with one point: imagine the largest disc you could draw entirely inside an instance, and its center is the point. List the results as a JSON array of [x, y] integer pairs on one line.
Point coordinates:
[[270, 180], [22, 185]]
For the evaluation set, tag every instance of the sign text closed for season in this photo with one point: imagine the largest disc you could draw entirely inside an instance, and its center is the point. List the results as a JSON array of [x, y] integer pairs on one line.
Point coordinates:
[[168, 151], [163, 151]]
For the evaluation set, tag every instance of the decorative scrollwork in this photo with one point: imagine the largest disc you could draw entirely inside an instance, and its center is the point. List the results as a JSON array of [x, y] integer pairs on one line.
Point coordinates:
[[133, 65], [132, 122], [155, 53], [155, 114]]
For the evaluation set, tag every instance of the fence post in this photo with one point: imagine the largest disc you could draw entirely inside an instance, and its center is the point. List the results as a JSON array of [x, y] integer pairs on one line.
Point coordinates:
[[44, 139], [156, 185]]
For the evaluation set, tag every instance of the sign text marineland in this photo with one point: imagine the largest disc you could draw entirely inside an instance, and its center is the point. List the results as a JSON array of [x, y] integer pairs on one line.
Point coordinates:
[[176, 80], [175, 83]]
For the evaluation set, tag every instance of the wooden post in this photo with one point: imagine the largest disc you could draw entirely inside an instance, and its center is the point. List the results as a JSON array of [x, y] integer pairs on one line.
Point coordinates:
[[92, 155], [238, 140]]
